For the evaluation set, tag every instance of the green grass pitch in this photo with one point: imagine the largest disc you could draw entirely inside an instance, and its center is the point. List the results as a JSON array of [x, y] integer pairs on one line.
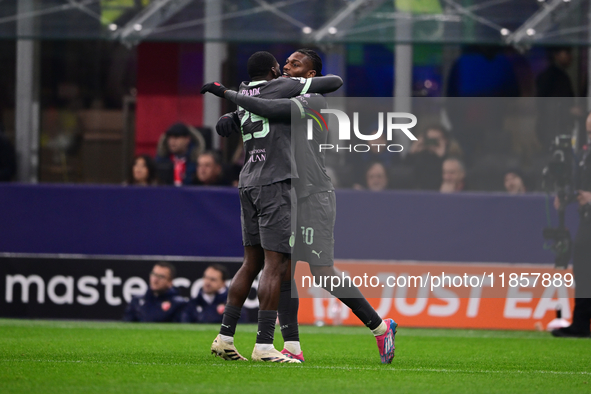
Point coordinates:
[[96, 357]]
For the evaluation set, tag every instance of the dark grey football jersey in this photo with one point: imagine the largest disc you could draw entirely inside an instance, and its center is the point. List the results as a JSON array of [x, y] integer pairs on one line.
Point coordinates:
[[308, 157], [267, 144]]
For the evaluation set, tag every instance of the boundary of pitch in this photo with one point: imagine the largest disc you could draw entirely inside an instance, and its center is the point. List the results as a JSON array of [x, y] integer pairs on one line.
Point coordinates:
[[74, 256]]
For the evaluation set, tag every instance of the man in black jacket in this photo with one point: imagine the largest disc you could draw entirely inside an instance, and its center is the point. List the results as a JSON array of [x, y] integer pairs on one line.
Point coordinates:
[[580, 327], [556, 115]]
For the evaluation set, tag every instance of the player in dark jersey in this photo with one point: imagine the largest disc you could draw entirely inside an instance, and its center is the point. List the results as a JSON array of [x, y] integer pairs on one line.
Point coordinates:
[[266, 205], [316, 208]]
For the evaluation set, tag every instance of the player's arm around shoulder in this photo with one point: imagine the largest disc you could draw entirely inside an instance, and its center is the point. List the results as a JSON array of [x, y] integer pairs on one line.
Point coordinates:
[[271, 109], [294, 86], [325, 84]]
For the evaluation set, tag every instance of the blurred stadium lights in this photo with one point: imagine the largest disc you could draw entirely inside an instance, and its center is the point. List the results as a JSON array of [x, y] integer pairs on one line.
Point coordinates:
[[470, 14], [347, 17], [556, 22], [275, 10], [150, 17], [83, 8], [545, 18]]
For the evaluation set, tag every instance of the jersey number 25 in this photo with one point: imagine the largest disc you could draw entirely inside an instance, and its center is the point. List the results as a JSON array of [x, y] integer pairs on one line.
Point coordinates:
[[254, 118]]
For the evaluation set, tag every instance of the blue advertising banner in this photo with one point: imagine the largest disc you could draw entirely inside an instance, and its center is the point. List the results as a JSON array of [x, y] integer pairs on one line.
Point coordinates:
[[167, 221]]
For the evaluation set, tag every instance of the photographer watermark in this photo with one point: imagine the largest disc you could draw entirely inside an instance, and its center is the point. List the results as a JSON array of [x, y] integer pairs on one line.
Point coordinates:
[[440, 280], [344, 131]]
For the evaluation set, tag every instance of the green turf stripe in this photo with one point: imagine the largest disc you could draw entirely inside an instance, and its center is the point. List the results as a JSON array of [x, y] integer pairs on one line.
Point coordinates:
[[346, 368]]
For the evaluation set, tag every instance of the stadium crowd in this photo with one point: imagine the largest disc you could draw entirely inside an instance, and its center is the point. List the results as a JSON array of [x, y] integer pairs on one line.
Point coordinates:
[[454, 156], [435, 162]]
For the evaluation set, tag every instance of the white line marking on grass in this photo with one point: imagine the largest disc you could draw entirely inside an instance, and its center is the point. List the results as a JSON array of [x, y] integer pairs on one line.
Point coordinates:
[[434, 370], [306, 330], [239, 364]]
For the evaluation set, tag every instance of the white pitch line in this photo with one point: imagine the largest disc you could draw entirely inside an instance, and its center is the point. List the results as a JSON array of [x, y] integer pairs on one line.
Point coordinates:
[[250, 328], [245, 365], [435, 370]]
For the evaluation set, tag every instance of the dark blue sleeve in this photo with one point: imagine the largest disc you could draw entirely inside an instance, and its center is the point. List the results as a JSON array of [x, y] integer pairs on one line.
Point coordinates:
[[189, 313], [161, 159], [190, 172], [179, 307], [131, 312]]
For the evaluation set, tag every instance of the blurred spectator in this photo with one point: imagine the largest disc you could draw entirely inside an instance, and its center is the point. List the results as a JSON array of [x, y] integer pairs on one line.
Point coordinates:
[[7, 159], [488, 172], [481, 71], [556, 116], [161, 303], [515, 181], [376, 178], [176, 159], [210, 171], [426, 156], [554, 81], [208, 306], [143, 171], [454, 175], [377, 154]]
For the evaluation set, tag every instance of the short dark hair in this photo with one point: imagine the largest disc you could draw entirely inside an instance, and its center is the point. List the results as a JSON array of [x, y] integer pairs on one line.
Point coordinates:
[[220, 268], [438, 127], [260, 63], [314, 58], [178, 130], [459, 160], [559, 48], [373, 163], [217, 157], [551, 52], [170, 267]]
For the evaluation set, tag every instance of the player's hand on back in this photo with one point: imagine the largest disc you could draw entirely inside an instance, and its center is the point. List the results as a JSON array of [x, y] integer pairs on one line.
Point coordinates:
[[227, 124], [215, 88]]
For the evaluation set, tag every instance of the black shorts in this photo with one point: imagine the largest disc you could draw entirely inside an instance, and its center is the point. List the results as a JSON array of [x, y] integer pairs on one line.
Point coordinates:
[[266, 216], [315, 229]]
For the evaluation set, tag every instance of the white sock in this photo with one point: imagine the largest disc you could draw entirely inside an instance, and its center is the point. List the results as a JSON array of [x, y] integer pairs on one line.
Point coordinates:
[[293, 347], [264, 347], [381, 330], [227, 339]]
